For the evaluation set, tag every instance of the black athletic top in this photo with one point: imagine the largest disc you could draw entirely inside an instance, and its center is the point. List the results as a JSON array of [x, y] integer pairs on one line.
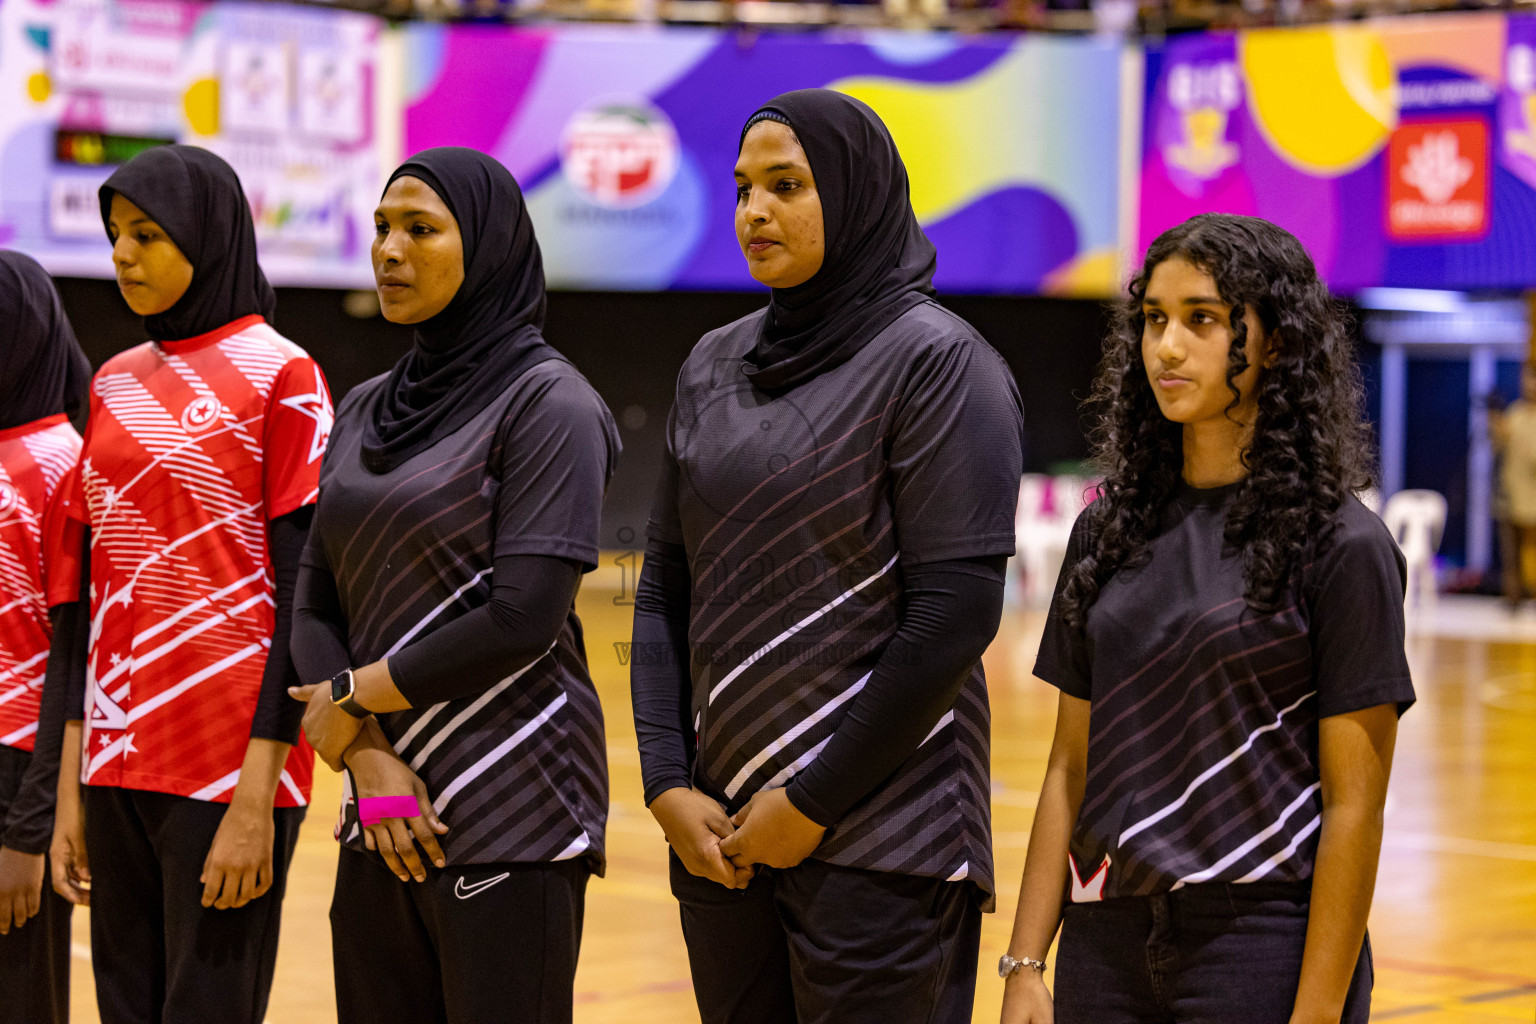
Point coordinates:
[[1202, 747], [516, 767], [801, 510]]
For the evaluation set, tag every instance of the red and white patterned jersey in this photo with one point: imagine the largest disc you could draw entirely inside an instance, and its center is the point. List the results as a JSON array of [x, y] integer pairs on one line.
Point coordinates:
[[192, 447], [34, 457]]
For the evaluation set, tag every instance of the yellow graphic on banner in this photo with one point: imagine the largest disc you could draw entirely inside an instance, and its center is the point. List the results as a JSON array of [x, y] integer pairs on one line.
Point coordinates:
[[959, 141], [201, 104], [1325, 98], [1205, 151]]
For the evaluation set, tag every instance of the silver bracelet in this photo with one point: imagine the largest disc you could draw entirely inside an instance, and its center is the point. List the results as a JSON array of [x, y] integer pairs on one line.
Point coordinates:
[[1008, 966]]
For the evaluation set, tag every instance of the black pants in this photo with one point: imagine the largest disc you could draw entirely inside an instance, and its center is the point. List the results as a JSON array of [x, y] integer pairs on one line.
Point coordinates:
[[159, 956], [1205, 954], [34, 959], [819, 944], [477, 944]]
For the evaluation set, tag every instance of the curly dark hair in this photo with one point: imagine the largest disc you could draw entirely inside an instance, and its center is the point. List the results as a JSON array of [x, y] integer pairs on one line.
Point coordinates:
[[1311, 446]]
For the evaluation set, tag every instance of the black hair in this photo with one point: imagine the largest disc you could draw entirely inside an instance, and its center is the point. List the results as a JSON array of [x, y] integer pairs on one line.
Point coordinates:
[[1311, 446]]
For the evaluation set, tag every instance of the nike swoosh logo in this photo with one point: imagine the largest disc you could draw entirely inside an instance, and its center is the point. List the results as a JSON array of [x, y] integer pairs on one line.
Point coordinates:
[[464, 892]]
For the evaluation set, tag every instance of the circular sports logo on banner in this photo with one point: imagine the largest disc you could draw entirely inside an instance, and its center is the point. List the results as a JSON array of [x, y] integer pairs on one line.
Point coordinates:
[[200, 414], [619, 153], [9, 499]]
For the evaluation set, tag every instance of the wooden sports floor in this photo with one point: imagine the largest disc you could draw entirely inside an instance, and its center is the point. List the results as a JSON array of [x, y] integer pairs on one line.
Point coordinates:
[[1454, 925]]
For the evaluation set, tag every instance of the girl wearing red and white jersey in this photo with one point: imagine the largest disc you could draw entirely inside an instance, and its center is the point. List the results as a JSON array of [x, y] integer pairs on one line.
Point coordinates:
[[196, 485], [43, 375]]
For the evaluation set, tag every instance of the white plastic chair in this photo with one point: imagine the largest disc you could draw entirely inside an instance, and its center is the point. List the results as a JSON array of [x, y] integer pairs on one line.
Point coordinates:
[[1416, 520]]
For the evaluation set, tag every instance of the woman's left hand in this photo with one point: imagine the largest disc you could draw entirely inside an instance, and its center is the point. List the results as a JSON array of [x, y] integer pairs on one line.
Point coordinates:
[[329, 729], [238, 868], [770, 830]]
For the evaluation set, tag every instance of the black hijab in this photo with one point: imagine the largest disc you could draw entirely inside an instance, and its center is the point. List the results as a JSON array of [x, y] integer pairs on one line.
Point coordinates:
[[489, 333], [878, 262], [196, 197], [42, 370]]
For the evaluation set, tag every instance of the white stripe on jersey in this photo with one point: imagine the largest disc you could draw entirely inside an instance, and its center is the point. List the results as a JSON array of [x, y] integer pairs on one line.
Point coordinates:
[[213, 789], [463, 716], [949, 716], [578, 846], [18, 735], [55, 451], [1243, 850], [502, 749], [9, 674], [758, 654], [800, 728], [166, 696], [411, 633], [196, 606], [1285, 854], [1203, 777]]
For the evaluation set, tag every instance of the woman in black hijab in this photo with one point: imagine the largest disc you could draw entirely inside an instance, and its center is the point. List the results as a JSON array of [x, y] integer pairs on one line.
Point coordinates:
[[198, 476], [824, 570], [43, 375], [459, 507]]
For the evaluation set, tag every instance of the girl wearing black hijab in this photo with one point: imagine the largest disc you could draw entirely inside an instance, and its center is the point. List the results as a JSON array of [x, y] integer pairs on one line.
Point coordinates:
[[43, 375], [824, 570], [459, 507], [200, 466]]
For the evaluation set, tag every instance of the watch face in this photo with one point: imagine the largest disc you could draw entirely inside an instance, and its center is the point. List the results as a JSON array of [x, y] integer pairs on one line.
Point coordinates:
[[341, 687]]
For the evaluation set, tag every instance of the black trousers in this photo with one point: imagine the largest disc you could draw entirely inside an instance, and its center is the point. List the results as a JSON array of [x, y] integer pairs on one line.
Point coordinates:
[[1206, 954], [477, 944], [34, 959], [159, 956], [819, 944]]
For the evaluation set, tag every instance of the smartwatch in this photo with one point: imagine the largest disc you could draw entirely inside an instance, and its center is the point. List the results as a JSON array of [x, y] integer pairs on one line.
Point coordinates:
[[344, 694]]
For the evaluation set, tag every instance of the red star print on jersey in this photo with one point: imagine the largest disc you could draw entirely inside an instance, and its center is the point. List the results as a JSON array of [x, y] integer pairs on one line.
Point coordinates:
[[193, 447], [34, 458]]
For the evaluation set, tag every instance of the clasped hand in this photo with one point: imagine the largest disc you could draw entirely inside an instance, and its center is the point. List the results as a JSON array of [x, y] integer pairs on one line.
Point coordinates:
[[329, 729], [769, 831]]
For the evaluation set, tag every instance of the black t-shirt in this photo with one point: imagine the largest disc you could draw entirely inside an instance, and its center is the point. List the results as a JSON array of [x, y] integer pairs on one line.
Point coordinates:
[[519, 772], [798, 510], [1202, 747]]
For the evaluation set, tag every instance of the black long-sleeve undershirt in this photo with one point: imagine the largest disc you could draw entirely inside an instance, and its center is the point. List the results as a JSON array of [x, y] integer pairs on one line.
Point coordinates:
[[278, 716], [950, 613], [531, 595], [660, 685]]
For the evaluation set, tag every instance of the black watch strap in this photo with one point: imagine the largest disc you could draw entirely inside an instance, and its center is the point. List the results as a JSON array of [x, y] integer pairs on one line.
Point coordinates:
[[344, 694]]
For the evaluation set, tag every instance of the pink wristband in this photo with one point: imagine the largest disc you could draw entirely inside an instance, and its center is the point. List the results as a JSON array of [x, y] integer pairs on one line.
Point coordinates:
[[373, 809]]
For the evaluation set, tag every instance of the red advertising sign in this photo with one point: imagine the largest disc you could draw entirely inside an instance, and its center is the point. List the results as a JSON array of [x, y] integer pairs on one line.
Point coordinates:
[[1437, 181]]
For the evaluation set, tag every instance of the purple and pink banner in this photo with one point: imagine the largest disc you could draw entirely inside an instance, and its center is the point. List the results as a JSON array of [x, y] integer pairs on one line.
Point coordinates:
[[624, 140], [1401, 152]]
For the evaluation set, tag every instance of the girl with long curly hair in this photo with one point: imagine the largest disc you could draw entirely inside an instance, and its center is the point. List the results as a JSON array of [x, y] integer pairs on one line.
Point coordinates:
[[1227, 636]]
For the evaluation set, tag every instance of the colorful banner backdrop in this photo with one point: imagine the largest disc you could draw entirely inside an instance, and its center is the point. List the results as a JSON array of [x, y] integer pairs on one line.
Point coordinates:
[[624, 141], [1402, 152], [284, 93]]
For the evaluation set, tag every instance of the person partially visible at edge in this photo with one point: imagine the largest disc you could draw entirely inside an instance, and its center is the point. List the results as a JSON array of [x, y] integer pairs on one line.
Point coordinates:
[[459, 507], [1513, 432], [43, 377], [823, 572], [1227, 636], [189, 511]]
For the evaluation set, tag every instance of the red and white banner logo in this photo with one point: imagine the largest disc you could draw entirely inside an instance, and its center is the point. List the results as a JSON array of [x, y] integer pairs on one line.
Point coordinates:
[[1437, 180], [200, 414], [619, 154]]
